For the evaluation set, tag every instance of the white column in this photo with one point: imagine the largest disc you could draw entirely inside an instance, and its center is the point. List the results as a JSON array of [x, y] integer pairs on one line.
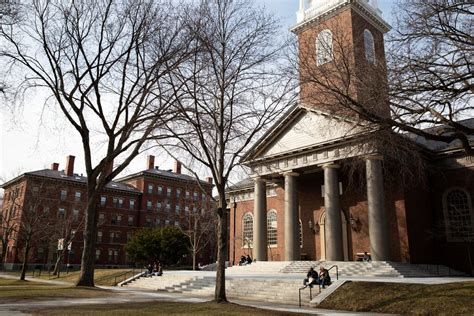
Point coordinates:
[[260, 221], [333, 226], [292, 232], [378, 225]]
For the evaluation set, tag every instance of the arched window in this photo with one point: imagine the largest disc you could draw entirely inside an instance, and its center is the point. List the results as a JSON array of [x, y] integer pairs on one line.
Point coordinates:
[[369, 46], [459, 217], [272, 228], [247, 231], [324, 47]]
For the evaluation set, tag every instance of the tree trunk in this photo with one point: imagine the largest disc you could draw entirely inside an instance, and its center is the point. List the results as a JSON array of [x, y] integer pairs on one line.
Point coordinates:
[[86, 277], [220, 295], [25, 261], [59, 260]]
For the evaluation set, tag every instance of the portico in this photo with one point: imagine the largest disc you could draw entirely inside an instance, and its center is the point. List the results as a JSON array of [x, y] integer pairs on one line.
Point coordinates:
[[271, 165]]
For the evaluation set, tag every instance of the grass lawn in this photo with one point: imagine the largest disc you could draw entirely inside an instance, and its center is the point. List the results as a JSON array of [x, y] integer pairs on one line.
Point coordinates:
[[402, 298], [101, 276], [161, 308], [12, 291]]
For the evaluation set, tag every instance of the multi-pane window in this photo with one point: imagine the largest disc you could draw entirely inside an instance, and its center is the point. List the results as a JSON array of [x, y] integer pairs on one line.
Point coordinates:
[[196, 196], [324, 53], [148, 222], [272, 228], [103, 200], [150, 188], [61, 213], [118, 202], [129, 236], [160, 189], [116, 219], [186, 209], [75, 215], [97, 254], [132, 204], [158, 221], [113, 255], [149, 205], [167, 222], [176, 223], [114, 237], [158, 205], [178, 193], [177, 209], [247, 232], [40, 254], [77, 196], [369, 46], [63, 195], [168, 192], [99, 236], [458, 215], [168, 207], [130, 220], [101, 218], [187, 194]]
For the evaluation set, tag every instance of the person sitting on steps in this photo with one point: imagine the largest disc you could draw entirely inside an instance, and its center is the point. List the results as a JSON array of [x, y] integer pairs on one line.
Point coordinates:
[[311, 278], [324, 278], [366, 257], [249, 260]]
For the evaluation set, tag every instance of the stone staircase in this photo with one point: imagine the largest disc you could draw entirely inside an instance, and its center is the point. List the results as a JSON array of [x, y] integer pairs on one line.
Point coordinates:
[[259, 267], [346, 268], [252, 289]]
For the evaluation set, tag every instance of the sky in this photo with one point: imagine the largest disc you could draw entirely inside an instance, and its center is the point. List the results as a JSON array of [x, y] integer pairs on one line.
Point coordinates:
[[32, 138]]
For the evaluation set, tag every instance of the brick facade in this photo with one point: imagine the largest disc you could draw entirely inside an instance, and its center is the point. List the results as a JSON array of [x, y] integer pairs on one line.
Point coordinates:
[[122, 209]]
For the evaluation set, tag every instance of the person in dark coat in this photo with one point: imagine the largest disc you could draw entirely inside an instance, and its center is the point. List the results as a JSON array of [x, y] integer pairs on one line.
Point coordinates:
[[311, 278]]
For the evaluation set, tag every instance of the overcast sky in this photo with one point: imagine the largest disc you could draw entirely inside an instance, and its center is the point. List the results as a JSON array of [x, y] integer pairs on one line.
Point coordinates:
[[31, 139]]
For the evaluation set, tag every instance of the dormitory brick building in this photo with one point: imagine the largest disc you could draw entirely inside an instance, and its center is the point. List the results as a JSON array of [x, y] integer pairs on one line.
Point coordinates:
[[150, 198], [299, 202]]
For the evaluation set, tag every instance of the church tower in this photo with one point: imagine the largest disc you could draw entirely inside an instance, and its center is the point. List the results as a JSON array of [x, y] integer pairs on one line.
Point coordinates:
[[341, 52]]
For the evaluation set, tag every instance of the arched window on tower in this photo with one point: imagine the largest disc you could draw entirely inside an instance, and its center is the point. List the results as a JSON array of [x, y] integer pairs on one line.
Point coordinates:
[[458, 214], [272, 228], [369, 45], [247, 231], [324, 52]]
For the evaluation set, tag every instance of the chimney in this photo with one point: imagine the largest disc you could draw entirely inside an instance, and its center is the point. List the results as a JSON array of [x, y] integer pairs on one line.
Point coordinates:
[[55, 166], [70, 165], [177, 167], [150, 163], [209, 180]]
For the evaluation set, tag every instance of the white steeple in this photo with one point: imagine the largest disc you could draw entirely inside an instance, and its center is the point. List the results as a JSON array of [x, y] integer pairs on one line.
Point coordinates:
[[320, 7]]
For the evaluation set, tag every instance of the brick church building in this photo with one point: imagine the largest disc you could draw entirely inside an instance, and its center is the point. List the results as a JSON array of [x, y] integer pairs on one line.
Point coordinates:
[[301, 203], [150, 198]]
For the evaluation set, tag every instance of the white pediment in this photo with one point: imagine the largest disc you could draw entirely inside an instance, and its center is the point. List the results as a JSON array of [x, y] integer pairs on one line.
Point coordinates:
[[307, 130]]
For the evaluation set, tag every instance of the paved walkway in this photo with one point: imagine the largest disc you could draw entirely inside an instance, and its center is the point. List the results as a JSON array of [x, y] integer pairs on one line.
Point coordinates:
[[128, 295]]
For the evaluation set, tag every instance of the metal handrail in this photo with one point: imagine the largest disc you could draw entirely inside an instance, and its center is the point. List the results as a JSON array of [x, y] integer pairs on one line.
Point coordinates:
[[319, 286], [337, 271], [124, 275], [310, 292]]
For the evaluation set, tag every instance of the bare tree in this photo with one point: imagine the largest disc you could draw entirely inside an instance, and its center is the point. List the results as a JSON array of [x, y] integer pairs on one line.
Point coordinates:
[[426, 81], [102, 63], [199, 227], [9, 221], [35, 223], [229, 92], [64, 233]]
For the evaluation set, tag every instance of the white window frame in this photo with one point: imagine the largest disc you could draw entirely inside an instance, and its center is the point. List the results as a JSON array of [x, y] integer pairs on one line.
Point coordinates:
[[324, 47]]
